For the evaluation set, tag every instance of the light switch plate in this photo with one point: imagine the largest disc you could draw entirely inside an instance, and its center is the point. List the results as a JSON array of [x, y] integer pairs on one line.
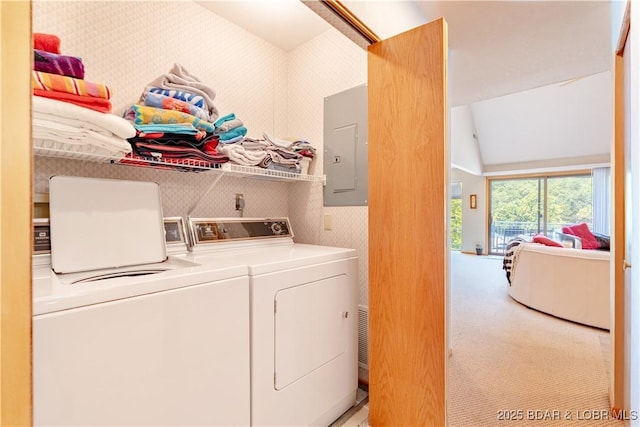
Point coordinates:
[[328, 222]]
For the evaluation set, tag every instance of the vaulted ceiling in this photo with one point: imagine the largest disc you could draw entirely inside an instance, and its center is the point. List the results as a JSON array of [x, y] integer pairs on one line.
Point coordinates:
[[496, 49]]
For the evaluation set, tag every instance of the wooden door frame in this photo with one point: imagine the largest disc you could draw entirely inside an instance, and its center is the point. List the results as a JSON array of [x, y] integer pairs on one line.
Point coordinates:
[[408, 227], [617, 379], [15, 214]]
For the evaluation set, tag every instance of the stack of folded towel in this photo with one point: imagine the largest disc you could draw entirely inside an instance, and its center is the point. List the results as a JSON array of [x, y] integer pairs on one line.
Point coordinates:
[[269, 153], [61, 77], [69, 113], [230, 129], [174, 121], [63, 126]]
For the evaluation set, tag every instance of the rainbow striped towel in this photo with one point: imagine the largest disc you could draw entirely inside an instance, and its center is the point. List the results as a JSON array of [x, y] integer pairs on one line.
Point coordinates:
[[58, 83]]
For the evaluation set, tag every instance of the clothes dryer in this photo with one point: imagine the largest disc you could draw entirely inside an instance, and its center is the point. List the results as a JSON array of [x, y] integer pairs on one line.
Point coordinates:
[[303, 302]]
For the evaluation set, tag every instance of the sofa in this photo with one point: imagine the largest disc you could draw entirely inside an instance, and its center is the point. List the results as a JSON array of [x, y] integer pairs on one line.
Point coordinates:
[[568, 283]]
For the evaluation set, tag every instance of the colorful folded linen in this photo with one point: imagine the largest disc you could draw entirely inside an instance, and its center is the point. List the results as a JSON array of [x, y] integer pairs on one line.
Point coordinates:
[[64, 65], [304, 148], [163, 152], [197, 140], [96, 104], [178, 78], [142, 114], [223, 119], [189, 97], [46, 42], [233, 133], [157, 100], [234, 140], [177, 129], [58, 83]]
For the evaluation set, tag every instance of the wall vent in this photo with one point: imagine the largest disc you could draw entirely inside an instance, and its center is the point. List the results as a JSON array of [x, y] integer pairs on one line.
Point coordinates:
[[363, 336]]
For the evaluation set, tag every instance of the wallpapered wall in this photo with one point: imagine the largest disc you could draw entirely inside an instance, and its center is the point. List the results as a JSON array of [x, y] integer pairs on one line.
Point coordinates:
[[127, 44], [328, 64]]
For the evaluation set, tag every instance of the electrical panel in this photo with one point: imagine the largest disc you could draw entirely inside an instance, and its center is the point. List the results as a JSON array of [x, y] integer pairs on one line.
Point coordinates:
[[345, 148]]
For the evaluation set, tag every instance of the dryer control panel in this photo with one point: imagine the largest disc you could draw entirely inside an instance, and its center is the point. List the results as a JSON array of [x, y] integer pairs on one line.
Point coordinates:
[[211, 230]]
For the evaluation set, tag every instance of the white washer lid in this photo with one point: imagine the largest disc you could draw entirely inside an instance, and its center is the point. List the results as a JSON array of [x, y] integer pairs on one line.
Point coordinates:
[[104, 223]]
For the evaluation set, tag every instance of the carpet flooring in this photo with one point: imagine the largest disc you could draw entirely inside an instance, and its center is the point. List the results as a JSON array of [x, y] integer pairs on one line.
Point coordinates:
[[511, 365]]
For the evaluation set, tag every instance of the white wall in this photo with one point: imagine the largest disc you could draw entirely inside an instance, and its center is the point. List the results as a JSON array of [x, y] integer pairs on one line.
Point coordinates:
[[473, 220], [617, 14], [465, 153], [328, 64]]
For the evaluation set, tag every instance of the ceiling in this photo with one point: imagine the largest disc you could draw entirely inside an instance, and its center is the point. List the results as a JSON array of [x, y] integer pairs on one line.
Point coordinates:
[[496, 48], [284, 23], [561, 121]]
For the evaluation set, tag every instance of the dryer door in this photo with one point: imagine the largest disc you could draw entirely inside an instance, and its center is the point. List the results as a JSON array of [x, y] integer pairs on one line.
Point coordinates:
[[311, 327]]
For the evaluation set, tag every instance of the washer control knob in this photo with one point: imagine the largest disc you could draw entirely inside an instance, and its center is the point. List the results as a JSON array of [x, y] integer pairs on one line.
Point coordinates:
[[276, 227]]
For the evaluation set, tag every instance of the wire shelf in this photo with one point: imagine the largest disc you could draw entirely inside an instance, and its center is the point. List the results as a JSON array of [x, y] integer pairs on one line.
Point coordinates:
[[47, 148], [233, 169]]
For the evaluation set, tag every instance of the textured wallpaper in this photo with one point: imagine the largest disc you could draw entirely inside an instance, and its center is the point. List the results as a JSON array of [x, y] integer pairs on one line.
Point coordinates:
[[327, 64]]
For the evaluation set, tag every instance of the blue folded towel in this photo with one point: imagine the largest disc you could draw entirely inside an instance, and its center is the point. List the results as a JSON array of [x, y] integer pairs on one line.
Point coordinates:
[[178, 128], [233, 133], [223, 119]]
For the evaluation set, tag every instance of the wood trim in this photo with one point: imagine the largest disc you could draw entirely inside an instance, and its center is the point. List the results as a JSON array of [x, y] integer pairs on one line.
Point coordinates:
[[487, 213], [15, 214], [616, 386], [408, 223], [624, 29], [541, 175], [343, 12]]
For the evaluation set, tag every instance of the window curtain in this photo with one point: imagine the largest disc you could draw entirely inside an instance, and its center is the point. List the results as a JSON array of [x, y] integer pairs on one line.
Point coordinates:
[[602, 200], [455, 191]]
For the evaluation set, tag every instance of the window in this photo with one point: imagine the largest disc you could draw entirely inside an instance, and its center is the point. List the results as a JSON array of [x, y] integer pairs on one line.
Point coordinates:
[[543, 204]]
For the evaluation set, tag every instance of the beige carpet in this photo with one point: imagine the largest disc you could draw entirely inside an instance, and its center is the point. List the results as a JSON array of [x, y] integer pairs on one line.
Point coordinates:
[[510, 362]]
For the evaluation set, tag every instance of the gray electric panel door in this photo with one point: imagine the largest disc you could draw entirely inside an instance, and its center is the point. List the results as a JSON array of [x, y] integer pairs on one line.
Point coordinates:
[[345, 148]]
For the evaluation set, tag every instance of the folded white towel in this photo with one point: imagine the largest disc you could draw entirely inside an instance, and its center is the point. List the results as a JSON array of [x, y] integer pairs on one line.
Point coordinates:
[[240, 155], [74, 115], [59, 132]]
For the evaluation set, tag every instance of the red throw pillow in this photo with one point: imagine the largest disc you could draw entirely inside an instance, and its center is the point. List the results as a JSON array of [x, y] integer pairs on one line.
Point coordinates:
[[539, 238], [567, 230], [582, 231]]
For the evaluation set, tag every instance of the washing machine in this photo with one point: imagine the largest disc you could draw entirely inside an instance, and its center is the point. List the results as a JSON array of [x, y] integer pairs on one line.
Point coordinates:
[[127, 338], [303, 305]]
